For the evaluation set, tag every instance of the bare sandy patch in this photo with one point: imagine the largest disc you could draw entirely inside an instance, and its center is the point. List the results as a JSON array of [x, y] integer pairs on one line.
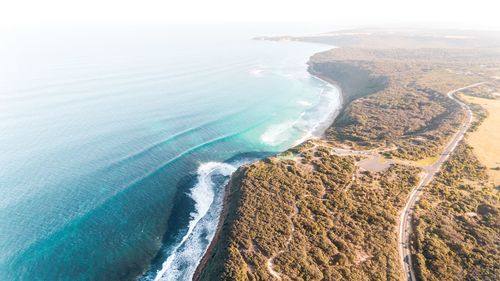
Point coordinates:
[[375, 164], [471, 214], [362, 256]]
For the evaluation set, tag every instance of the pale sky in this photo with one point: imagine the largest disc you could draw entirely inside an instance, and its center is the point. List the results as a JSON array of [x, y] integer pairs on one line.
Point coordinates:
[[484, 14]]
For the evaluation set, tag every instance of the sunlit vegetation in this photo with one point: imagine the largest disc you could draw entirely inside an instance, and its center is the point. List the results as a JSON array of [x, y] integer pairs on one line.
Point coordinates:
[[426, 161], [484, 92], [308, 214], [457, 223], [312, 220], [401, 103]]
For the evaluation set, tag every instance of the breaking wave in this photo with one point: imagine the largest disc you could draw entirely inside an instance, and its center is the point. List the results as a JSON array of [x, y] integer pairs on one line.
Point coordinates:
[[184, 258], [310, 123], [304, 103]]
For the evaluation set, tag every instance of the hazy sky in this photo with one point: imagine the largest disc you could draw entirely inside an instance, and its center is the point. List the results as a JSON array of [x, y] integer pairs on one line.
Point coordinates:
[[441, 13]]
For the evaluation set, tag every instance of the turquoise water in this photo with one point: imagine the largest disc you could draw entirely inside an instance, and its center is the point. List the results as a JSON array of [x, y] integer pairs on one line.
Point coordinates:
[[116, 142]]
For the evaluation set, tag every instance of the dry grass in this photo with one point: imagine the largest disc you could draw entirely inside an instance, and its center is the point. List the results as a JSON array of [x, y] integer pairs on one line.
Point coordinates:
[[426, 161], [486, 139]]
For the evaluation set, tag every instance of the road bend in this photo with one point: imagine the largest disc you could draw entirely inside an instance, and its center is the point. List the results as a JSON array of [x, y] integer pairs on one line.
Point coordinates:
[[430, 171]]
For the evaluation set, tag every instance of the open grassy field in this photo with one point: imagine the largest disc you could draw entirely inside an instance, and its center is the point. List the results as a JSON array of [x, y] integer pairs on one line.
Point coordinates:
[[486, 139], [426, 161]]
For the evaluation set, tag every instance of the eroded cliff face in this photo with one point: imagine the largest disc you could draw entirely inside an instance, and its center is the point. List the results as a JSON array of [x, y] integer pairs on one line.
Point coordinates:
[[355, 80]]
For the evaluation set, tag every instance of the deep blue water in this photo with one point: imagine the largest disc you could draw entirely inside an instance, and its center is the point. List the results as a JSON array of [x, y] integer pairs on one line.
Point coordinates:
[[115, 142]]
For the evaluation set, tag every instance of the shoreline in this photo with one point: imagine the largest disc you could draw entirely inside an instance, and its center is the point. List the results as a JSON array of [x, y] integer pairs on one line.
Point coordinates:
[[323, 126], [405, 111], [228, 188], [318, 132], [222, 217]]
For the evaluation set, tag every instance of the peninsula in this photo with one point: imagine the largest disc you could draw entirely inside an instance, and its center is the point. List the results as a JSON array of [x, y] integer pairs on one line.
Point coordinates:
[[405, 183]]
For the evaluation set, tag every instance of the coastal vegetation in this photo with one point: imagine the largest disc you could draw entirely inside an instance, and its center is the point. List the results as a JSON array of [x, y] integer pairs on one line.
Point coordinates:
[[314, 217], [400, 90], [457, 223], [485, 91], [312, 213]]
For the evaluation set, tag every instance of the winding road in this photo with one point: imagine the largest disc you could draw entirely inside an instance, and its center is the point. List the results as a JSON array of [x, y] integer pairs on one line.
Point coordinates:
[[430, 171]]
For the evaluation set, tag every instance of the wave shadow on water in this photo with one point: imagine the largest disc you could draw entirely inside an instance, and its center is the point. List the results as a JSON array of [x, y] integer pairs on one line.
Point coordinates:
[[193, 221]]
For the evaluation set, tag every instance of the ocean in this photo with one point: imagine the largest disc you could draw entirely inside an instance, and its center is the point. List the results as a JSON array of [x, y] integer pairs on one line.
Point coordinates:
[[116, 142]]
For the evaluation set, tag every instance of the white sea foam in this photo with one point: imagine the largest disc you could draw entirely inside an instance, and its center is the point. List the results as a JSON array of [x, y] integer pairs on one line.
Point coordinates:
[[331, 98], [310, 123], [304, 103], [274, 134], [203, 223], [288, 75], [329, 106], [184, 258], [256, 72], [279, 133]]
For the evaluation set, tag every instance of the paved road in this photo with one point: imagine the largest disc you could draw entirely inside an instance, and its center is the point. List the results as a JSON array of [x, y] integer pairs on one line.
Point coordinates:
[[404, 222]]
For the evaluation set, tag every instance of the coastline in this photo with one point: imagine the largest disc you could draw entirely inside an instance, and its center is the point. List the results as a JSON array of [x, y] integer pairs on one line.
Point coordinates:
[[332, 83], [399, 86], [229, 189], [318, 132]]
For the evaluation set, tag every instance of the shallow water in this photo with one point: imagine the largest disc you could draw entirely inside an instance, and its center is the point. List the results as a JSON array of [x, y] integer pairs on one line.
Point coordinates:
[[116, 142]]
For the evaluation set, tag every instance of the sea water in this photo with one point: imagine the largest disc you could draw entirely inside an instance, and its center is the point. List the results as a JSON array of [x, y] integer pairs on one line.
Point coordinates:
[[116, 142]]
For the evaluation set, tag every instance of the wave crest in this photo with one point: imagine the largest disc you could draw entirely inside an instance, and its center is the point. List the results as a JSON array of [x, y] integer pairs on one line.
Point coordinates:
[[202, 226], [310, 123]]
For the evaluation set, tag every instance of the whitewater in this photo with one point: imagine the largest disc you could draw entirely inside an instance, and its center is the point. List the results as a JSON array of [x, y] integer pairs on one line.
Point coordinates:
[[117, 142]]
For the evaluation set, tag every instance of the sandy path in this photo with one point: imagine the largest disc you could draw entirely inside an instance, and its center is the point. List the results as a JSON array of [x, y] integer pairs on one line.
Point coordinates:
[[270, 261]]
